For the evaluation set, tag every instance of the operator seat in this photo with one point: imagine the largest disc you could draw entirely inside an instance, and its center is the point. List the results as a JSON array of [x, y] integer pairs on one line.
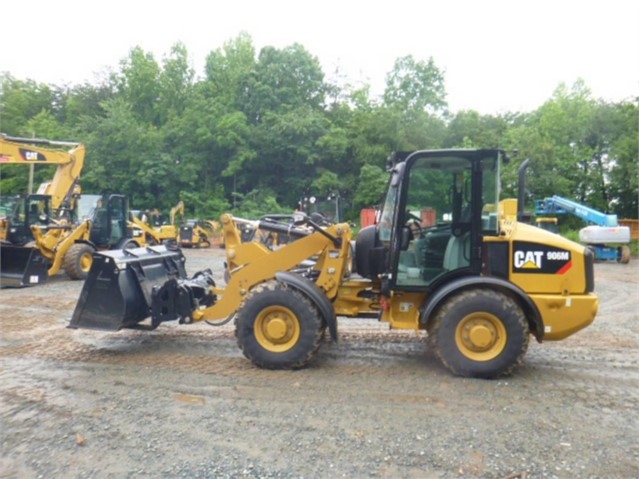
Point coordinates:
[[457, 254]]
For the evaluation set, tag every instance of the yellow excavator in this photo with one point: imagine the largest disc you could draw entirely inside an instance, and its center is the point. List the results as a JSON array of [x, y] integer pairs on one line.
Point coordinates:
[[61, 190], [479, 282]]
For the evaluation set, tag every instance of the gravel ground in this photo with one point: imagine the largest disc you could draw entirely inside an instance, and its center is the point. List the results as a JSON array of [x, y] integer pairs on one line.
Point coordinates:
[[182, 401]]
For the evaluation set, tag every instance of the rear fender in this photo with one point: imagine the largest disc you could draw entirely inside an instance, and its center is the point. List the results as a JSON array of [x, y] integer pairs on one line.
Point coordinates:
[[315, 294], [528, 306]]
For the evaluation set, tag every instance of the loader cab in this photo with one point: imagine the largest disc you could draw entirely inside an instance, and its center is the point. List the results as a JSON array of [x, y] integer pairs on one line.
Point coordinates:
[[439, 206], [108, 215]]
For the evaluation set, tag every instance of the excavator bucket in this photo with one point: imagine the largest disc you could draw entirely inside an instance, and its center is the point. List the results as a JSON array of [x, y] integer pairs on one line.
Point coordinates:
[[119, 288], [22, 266]]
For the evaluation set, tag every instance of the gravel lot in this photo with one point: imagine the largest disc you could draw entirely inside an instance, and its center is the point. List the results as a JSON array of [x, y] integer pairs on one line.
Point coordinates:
[[182, 401]]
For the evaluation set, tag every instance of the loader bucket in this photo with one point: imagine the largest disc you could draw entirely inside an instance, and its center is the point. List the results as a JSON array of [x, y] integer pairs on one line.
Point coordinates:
[[118, 290], [22, 266]]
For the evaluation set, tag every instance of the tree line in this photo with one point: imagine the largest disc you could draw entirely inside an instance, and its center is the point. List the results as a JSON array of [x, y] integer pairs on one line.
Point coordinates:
[[259, 130]]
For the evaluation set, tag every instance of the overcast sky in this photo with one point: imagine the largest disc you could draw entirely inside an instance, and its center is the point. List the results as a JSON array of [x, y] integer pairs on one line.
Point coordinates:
[[497, 56]]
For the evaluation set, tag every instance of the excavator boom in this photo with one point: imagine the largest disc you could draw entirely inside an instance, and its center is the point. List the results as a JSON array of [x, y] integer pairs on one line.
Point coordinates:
[[69, 157]]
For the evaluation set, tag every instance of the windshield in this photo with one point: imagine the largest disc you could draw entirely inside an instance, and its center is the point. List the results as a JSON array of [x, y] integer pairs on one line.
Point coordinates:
[[86, 206], [7, 205], [389, 210]]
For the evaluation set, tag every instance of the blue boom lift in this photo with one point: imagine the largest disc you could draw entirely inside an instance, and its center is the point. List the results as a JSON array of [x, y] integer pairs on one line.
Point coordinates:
[[602, 230]]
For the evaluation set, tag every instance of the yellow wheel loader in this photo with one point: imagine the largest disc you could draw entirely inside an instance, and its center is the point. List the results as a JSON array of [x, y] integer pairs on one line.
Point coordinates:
[[479, 282], [59, 245]]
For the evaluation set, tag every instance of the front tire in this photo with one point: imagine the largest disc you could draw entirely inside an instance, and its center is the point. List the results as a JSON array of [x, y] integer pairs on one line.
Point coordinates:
[[278, 327], [480, 333], [78, 260]]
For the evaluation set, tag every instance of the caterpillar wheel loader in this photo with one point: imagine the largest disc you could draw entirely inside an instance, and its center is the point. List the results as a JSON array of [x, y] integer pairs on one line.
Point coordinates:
[[477, 281], [101, 225]]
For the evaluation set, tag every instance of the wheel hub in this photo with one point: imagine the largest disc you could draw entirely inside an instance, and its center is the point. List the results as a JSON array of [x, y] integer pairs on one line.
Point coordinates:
[[481, 336], [85, 262], [276, 328]]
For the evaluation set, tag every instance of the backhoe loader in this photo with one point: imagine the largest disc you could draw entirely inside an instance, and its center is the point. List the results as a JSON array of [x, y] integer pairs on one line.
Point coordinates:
[[477, 281], [198, 233], [148, 229]]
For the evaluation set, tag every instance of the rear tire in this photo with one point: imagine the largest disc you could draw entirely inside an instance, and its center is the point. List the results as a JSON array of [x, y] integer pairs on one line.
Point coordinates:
[[78, 260], [480, 333], [278, 327], [624, 254]]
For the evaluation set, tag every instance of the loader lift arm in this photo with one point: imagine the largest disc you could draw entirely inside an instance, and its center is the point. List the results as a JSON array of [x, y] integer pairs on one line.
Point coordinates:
[[176, 298]]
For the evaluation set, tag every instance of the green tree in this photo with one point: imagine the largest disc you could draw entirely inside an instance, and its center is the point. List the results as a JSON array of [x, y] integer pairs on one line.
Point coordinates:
[[284, 79], [621, 157], [371, 187], [415, 86], [125, 155], [230, 70], [139, 84], [19, 102], [175, 83]]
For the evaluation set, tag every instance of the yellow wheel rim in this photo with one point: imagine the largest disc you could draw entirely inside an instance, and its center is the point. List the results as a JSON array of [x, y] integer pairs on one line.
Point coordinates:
[[85, 262], [277, 329], [481, 336]]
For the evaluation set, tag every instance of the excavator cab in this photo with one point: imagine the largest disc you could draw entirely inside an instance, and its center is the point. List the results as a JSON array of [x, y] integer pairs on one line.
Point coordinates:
[[24, 266], [30, 210]]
